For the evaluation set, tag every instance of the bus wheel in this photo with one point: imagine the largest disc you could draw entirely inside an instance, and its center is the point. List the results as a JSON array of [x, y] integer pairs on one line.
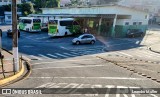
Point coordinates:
[[65, 34]]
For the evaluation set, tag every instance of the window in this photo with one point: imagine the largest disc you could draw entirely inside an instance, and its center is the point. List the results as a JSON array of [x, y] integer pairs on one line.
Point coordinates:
[[126, 23], [5, 0], [87, 36], [9, 17], [36, 20], [140, 23], [0, 0], [146, 16], [27, 21], [134, 23], [53, 22], [66, 23]]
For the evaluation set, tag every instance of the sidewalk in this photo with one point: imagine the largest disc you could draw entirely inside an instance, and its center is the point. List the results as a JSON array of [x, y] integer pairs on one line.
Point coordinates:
[[7, 65], [8, 76]]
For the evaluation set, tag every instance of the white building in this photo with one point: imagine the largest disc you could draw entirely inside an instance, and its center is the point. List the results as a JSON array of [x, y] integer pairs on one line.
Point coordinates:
[[8, 17], [109, 20], [6, 2]]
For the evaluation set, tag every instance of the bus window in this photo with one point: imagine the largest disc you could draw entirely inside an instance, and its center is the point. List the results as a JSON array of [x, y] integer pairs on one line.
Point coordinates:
[[75, 23], [27, 21], [66, 23]]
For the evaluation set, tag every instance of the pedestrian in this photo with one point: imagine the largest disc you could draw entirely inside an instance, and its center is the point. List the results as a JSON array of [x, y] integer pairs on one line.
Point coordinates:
[[85, 30]]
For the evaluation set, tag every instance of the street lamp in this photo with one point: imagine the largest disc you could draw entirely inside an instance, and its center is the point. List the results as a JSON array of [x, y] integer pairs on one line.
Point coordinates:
[[15, 38]]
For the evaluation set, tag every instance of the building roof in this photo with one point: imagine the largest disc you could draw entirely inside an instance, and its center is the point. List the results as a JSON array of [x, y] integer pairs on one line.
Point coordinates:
[[100, 6]]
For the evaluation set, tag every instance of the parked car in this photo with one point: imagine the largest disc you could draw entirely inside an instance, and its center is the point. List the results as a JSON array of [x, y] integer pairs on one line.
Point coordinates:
[[134, 33], [84, 38], [10, 34]]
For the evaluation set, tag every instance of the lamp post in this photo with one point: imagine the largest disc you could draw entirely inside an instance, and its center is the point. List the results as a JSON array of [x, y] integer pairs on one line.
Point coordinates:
[[15, 34]]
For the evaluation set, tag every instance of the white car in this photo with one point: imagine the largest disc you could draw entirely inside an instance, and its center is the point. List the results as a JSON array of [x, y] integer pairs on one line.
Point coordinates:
[[85, 38]]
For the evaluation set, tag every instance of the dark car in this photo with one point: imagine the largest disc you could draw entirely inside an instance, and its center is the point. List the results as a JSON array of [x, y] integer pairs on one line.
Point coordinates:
[[10, 34], [135, 33]]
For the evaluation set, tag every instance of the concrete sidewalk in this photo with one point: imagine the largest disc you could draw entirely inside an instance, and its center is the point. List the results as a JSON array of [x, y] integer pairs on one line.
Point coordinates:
[[7, 74], [7, 65]]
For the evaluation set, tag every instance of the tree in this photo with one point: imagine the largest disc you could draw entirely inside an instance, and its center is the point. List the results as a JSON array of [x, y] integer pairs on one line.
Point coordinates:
[[7, 7], [27, 8]]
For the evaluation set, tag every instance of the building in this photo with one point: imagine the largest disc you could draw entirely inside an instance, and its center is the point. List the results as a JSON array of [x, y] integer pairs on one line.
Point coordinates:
[[108, 20], [6, 2], [8, 17], [1, 15]]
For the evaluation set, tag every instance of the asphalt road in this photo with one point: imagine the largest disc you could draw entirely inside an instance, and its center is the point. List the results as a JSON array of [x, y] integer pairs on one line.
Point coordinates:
[[56, 63]]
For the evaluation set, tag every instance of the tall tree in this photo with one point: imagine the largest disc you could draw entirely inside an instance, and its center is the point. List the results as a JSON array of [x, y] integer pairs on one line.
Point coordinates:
[[27, 8]]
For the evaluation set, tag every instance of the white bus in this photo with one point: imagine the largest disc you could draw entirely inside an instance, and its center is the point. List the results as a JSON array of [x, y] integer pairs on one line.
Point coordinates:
[[29, 24], [63, 27]]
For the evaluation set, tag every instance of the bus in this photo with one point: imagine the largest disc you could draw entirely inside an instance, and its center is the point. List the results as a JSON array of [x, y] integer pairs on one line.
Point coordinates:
[[63, 27], [29, 24]]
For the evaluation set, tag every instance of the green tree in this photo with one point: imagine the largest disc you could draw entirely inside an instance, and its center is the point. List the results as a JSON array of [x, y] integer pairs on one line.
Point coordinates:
[[27, 8], [7, 7]]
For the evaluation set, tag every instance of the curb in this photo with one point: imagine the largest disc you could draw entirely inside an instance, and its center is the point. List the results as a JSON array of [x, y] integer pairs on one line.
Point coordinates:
[[129, 69], [12, 79], [153, 50], [9, 79]]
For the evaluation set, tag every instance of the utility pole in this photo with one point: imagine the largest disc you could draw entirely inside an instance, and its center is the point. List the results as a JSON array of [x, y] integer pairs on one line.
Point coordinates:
[[14, 33]]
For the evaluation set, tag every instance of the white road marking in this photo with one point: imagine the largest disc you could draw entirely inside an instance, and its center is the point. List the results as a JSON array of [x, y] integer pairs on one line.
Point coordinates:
[[44, 56], [42, 38], [35, 57], [75, 53], [52, 55], [27, 46], [147, 54], [111, 78], [69, 54], [61, 55], [125, 54], [68, 67], [65, 60]]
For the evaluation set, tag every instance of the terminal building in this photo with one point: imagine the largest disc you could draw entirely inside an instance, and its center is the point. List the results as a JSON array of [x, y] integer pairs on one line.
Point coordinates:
[[107, 20]]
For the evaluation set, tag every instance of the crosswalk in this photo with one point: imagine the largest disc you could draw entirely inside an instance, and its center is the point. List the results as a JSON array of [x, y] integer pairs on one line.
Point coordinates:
[[62, 55]]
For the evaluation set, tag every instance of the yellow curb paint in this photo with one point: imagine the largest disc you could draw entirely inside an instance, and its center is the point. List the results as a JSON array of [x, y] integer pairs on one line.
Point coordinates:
[[9, 79]]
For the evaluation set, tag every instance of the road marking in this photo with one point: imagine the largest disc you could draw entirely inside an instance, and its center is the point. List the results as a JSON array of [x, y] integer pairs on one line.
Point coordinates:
[[68, 67], [75, 53], [125, 54], [61, 55], [66, 60], [42, 38], [27, 46], [69, 54], [52, 55], [111, 78], [35, 57], [44, 56]]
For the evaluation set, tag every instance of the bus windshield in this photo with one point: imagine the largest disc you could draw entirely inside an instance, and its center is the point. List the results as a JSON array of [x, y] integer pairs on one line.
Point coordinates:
[[53, 22], [36, 20]]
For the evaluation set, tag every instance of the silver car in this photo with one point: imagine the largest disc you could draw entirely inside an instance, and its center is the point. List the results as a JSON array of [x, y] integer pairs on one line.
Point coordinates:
[[85, 38]]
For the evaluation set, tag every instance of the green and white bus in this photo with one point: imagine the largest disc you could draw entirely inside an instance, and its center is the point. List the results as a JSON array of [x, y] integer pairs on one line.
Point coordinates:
[[29, 24], [63, 27]]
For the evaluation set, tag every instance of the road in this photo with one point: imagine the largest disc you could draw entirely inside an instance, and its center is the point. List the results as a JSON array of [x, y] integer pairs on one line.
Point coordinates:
[[56, 63]]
